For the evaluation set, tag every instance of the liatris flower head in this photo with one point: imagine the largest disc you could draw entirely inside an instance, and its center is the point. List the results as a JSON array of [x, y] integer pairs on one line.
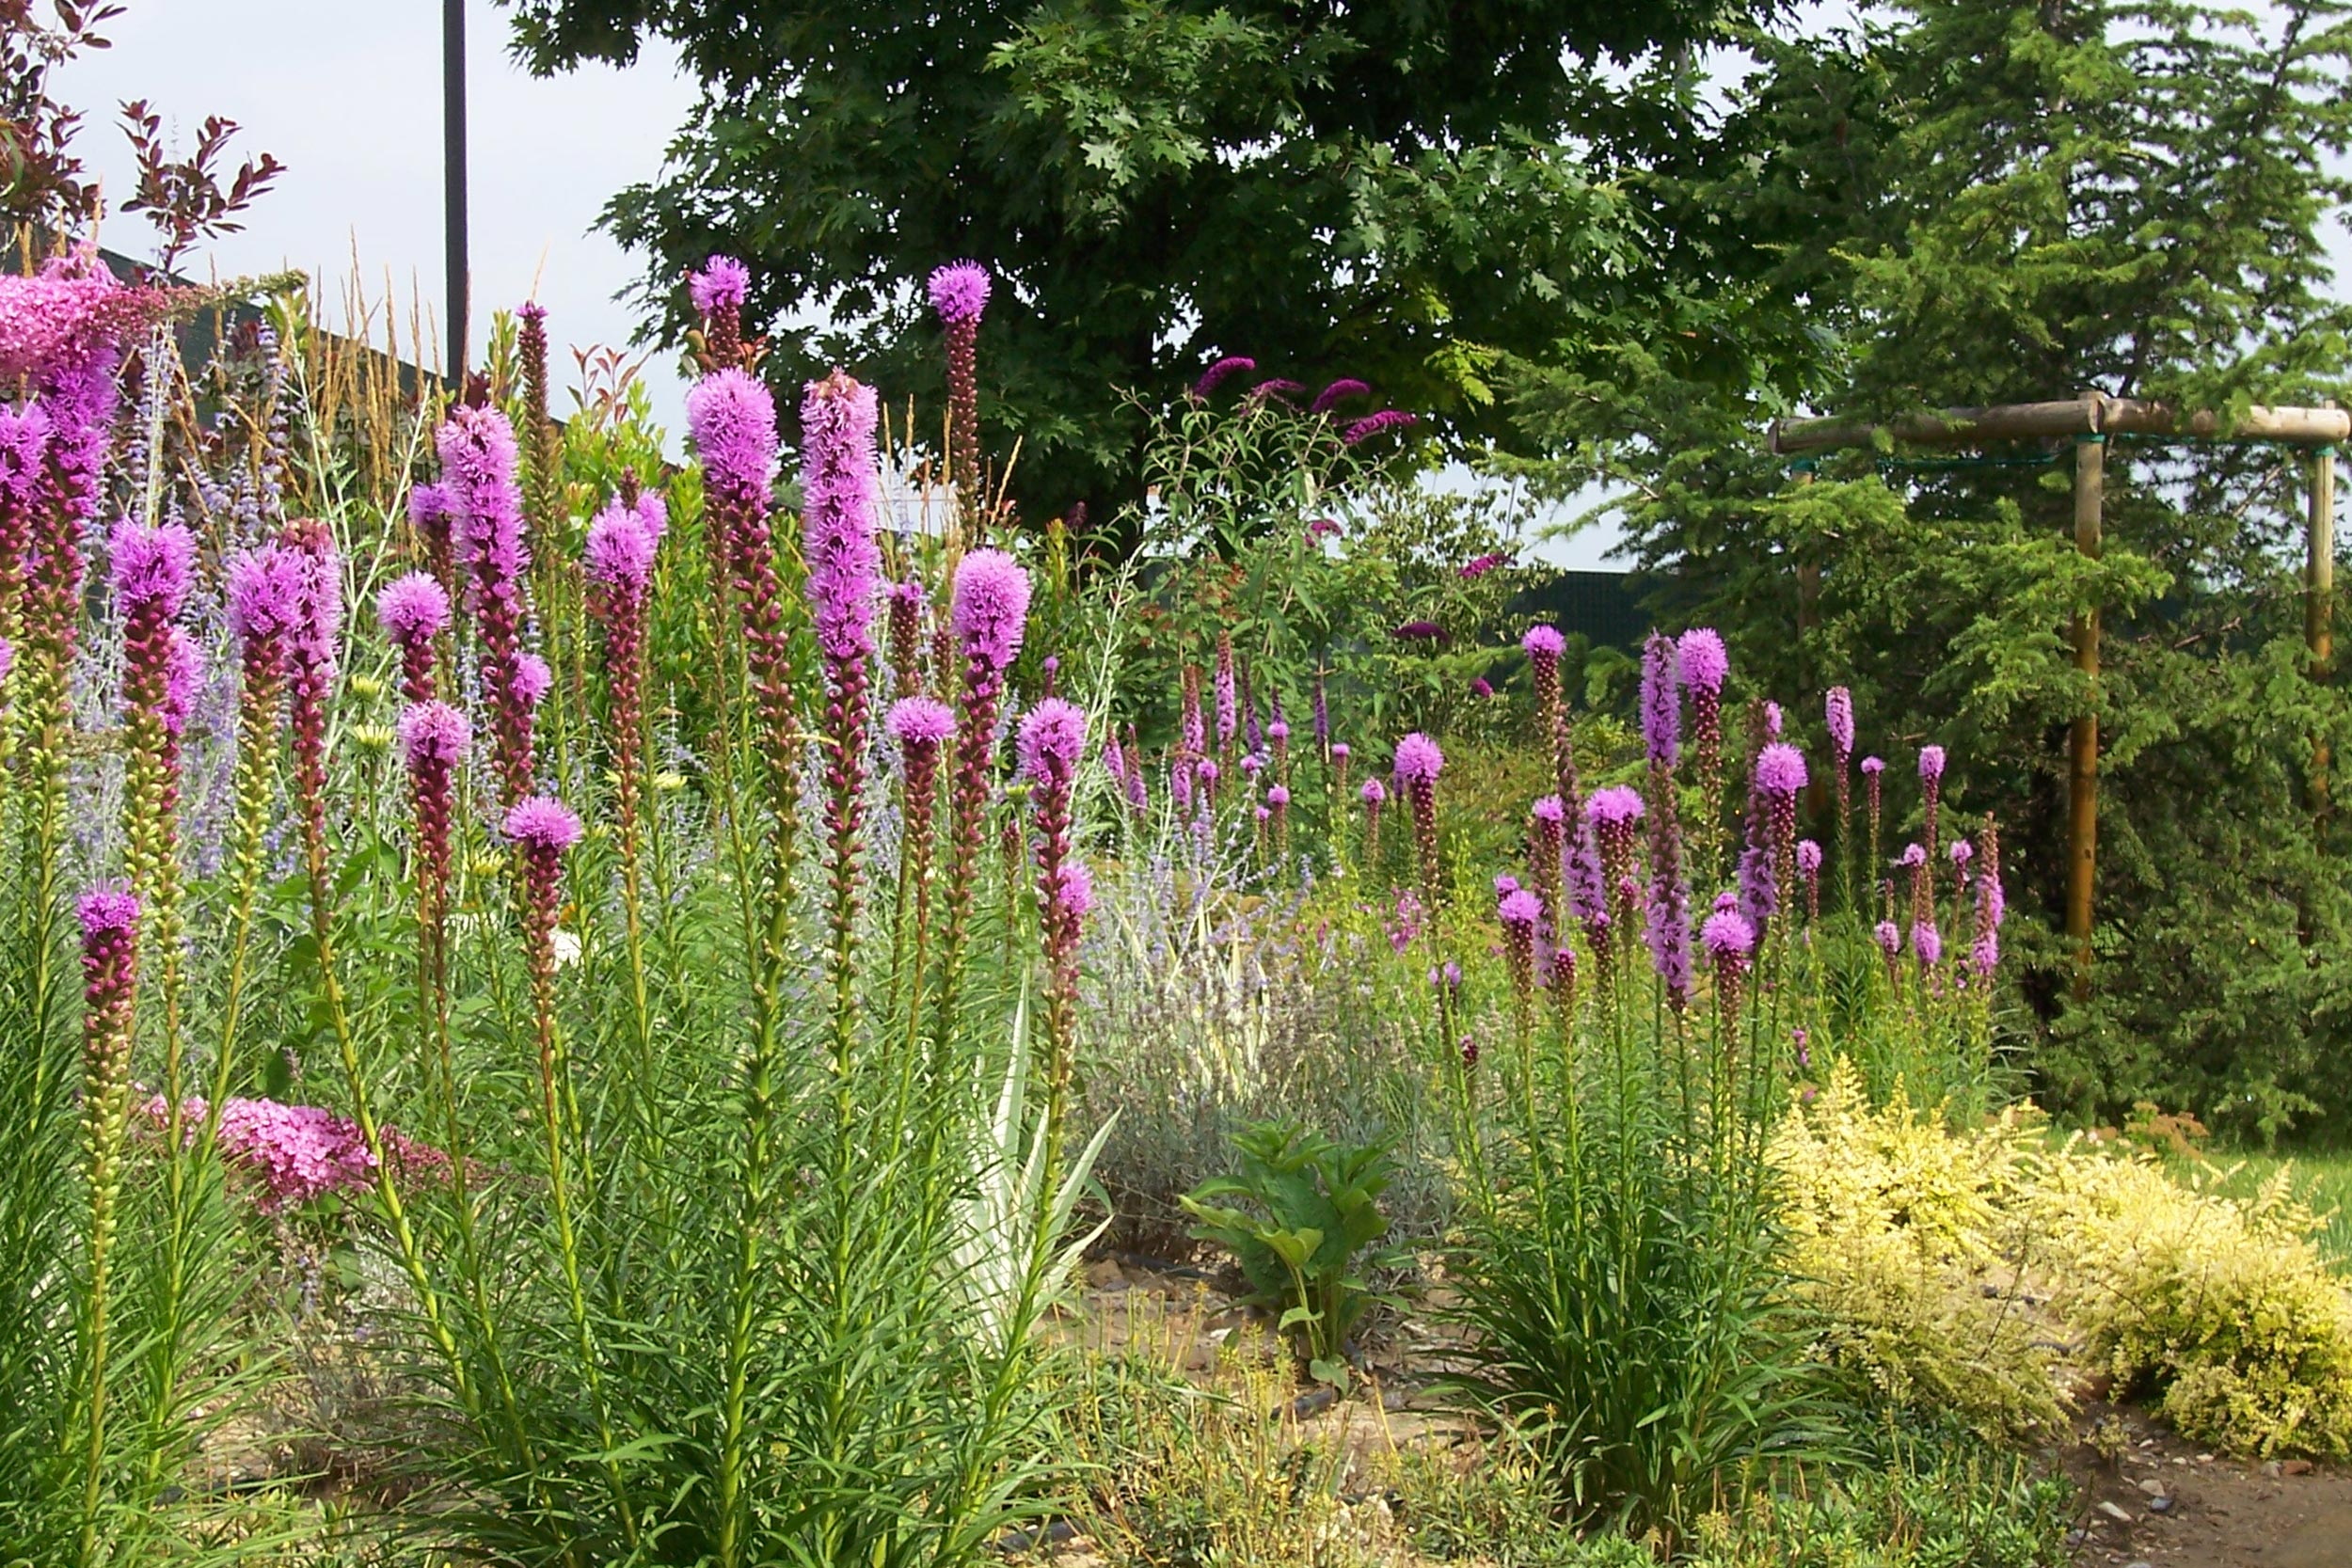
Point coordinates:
[[990, 608], [318, 624], [151, 565], [1913, 857], [1338, 392], [1661, 702], [1890, 938], [1873, 766], [1340, 751], [722, 284], [1505, 884], [1780, 769], [1728, 935], [1544, 641], [1808, 857], [433, 734], [1550, 809], [1253, 765], [107, 910], [837, 468], [1276, 731], [1773, 720], [1961, 851], [542, 823], [1838, 709], [920, 721], [1615, 806], [1930, 762], [732, 418], [532, 679], [264, 586], [620, 549], [1372, 424], [959, 291], [1704, 663], [1373, 792], [1418, 759], [652, 513], [1221, 373], [412, 608], [1053, 738], [1926, 944], [1278, 796], [1519, 910]]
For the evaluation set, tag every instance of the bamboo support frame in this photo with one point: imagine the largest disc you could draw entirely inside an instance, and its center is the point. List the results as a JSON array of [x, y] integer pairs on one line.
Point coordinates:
[[2319, 607], [2082, 773], [2089, 420]]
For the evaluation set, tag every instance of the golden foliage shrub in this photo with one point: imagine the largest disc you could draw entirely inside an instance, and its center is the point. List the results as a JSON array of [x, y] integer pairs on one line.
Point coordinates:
[[1949, 1266]]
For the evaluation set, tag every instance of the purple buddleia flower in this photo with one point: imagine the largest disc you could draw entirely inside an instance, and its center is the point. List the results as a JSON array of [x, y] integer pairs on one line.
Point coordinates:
[[1338, 392], [1221, 373], [1372, 424]]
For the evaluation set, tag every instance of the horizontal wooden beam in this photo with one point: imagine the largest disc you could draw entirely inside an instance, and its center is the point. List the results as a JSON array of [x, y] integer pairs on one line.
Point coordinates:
[[2092, 415]]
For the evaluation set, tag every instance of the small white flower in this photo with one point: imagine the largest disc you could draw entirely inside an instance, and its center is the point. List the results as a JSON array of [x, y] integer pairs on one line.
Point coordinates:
[[566, 945]]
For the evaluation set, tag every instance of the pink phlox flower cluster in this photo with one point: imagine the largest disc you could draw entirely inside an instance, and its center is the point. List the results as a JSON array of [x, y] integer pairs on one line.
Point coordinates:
[[150, 565], [299, 1153], [959, 291], [990, 608], [723, 283], [839, 466]]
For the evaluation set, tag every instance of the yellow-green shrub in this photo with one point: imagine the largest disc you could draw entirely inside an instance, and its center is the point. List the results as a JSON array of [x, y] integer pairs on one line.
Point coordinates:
[[1901, 1232], [1923, 1248], [2222, 1308]]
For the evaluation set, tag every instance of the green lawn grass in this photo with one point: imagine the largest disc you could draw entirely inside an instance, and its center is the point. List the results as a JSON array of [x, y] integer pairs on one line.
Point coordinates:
[[2323, 1180]]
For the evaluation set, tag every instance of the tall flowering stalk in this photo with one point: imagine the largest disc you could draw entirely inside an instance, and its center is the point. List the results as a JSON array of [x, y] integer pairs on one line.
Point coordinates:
[[24, 470], [1780, 776], [1547, 855], [989, 614], [1730, 942], [1615, 815], [921, 726], [1874, 770], [110, 946], [1228, 697], [433, 740], [1520, 913], [315, 653], [1668, 927], [1376, 795], [906, 603], [433, 522], [1809, 868], [1051, 739], [478, 460], [1984, 953], [1418, 764], [1838, 710], [732, 418], [837, 477], [619, 558], [414, 610], [1278, 807], [1931, 798], [959, 294], [151, 570], [1705, 666]]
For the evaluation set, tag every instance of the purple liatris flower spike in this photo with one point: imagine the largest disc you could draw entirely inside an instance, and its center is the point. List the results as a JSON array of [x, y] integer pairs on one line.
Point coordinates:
[[722, 284], [1704, 664], [1773, 720], [618, 558], [618, 555], [478, 459], [1931, 790], [990, 608], [542, 823], [1728, 939], [1661, 700], [1051, 739], [313, 650], [1926, 946], [413, 610], [1838, 709], [532, 681], [1228, 693], [959, 292], [920, 721], [1520, 913], [434, 740], [838, 481], [151, 565]]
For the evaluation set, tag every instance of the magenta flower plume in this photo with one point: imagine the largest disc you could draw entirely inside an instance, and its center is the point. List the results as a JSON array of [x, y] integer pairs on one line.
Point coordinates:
[[921, 726], [184, 676], [1418, 764], [1926, 944], [904, 605], [24, 474], [1338, 392], [959, 292], [1931, 790], [434, 738], [1930, 762], [1728, 939], [920, 721], [433, 521], [1780, 770], [1661, 700], [542, 824], [1544, 641], [1705, 664], [478, 455], [1873, 766], [837, 478], [723, 284], [1418, 760], [1809, 868], [990, 610], [732, 418], [1228, 693], [151, 565], [533, 680], [618, 554], [413, 610], [1992, 904], [1372, 424], [313, 651], [1373, 792], [1520, 913], [1052, 738], [1838, 708], [108, 911], [1221, 373]]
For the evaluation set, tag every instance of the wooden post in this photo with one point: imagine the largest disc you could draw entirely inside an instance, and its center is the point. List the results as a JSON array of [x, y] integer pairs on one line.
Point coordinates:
[[2082, 846], [2319, 596]]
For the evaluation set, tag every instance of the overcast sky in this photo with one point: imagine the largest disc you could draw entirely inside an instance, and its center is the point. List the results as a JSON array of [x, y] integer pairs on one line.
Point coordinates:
[[349, 97]]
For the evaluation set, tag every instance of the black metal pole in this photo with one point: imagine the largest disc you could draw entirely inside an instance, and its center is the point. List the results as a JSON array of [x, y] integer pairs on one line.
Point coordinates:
[[453, 183]]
